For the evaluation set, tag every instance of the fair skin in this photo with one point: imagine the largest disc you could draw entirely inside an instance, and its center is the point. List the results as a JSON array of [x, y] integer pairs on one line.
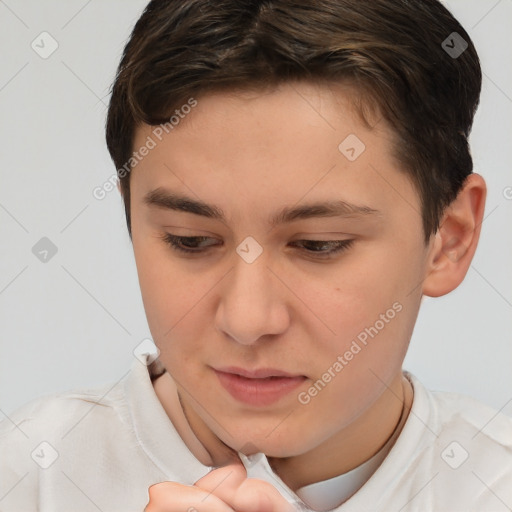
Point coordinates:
[[251, 155]]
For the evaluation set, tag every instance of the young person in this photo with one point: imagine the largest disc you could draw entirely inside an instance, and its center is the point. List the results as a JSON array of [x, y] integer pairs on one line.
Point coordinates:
[[296, 177]]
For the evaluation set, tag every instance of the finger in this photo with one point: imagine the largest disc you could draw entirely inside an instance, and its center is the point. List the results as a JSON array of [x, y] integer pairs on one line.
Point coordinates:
[[255, 495], [231, 485], [174, 497], [224, 482]]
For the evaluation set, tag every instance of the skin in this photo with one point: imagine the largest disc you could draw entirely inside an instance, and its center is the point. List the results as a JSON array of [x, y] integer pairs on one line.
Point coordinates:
[[222, 490], [251, 154]]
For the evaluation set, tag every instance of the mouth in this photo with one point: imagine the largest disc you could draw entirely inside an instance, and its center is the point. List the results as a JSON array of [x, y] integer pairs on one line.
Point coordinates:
[[261, 387]]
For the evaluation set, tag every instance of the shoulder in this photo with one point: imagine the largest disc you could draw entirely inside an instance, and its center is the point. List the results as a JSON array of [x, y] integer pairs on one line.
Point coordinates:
[[54, 412], [71, 418], [469, 448], [459, 411], [52, 431]]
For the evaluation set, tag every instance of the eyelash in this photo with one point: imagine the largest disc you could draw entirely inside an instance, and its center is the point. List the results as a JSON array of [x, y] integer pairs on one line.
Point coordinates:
[[174, 242]]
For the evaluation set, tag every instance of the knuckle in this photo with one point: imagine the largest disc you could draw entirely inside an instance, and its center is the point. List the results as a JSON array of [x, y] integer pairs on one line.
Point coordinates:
[[157, 492]]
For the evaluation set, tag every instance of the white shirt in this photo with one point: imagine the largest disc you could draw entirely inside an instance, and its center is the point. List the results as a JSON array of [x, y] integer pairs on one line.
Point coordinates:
[[101, 449]]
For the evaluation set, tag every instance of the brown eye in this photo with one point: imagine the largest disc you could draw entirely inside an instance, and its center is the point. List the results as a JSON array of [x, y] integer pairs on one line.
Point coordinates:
[[187, 244], [333, 247], [316, 248]]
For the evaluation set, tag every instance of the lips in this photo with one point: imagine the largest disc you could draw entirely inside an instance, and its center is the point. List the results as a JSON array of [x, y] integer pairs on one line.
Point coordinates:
[[261, 373], [260, 387]]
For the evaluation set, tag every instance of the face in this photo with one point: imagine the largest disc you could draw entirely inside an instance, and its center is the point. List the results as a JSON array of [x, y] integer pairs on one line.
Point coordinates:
[[328, 294]]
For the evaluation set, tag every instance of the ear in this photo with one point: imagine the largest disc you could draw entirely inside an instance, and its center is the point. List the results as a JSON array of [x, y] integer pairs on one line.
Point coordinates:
[[456, 240]]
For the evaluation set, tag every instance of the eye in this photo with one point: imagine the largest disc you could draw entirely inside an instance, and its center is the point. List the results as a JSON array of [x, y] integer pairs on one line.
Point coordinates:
[[333, 247], [316, 248], [187, 244]]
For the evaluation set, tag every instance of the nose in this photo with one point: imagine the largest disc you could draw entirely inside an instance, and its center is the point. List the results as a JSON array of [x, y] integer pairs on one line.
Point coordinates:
[[252, 303]]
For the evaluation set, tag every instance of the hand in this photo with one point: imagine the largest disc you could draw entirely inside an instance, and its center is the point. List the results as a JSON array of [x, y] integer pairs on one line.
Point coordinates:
[[226, 489], [242, 494]]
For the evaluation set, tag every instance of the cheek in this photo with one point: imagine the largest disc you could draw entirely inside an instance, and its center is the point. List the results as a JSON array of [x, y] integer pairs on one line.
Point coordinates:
[[364, 312], [345, 301], [166, 290], [176, 303]]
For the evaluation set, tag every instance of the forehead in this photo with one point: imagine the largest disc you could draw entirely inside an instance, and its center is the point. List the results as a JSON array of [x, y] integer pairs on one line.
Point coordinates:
[[297, 142]]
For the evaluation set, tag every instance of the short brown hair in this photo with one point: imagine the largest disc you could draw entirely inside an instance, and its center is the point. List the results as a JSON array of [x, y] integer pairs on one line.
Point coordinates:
[[396, 52]]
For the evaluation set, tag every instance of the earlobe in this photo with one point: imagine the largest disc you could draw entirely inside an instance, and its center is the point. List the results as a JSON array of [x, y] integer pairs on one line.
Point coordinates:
[[456, 240]]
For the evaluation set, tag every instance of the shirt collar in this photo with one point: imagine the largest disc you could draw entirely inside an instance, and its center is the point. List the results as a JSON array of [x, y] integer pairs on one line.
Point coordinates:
[[154, 430]]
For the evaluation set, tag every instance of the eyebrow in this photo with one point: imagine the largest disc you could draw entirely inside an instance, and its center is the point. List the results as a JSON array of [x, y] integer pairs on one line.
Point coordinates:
[[163, 198]]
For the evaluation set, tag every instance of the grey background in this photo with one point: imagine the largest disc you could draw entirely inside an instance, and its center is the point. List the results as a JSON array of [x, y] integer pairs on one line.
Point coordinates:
[[74, 321]]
